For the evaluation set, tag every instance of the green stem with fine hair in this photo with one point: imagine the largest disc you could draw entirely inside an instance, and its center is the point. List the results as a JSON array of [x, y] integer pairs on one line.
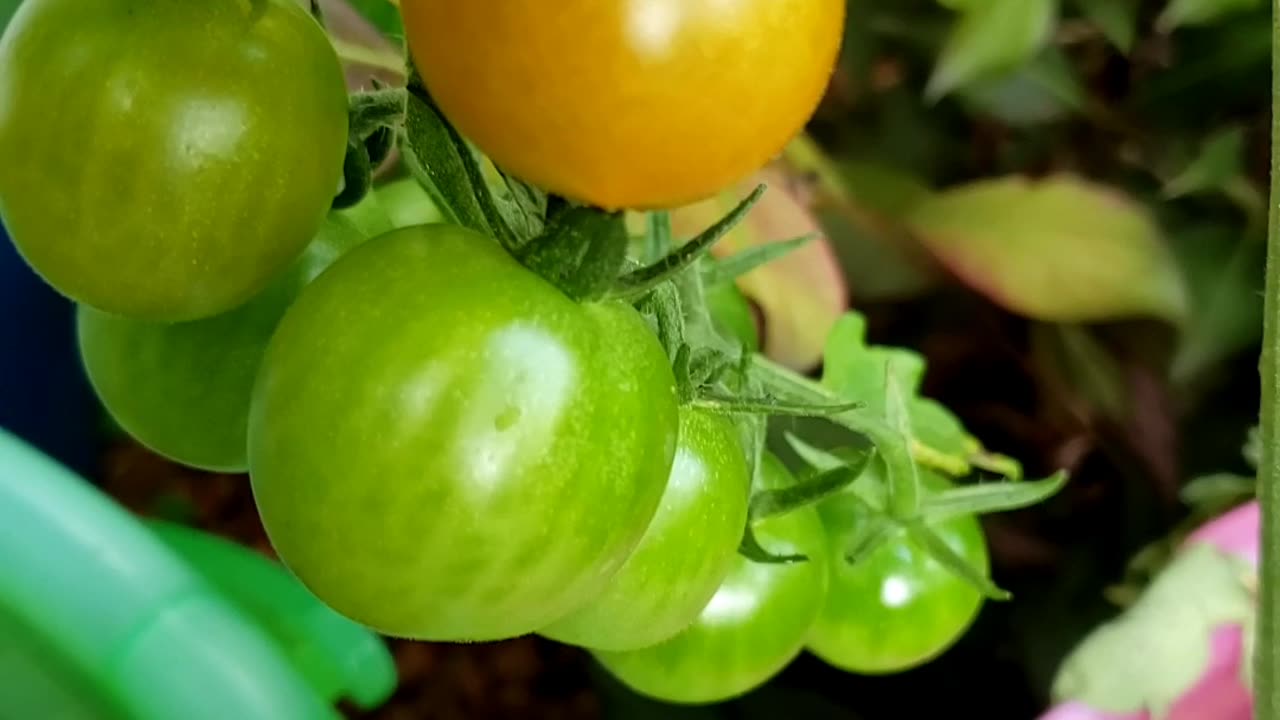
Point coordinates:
[[1267, 647]]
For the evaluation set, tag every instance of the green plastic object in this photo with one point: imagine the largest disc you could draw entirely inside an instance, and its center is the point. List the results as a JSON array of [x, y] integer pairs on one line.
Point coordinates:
[[339, 658], [100, 619]]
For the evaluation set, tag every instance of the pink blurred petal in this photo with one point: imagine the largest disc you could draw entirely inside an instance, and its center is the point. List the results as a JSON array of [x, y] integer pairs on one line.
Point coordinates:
[[1220, 694], [1235, 532], [1080, 711]]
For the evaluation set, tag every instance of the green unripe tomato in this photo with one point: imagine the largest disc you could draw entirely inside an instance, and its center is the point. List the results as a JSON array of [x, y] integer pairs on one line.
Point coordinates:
[[898, 608], [752, 628], [166, 159], [686, 552], [183, 389], [443, 446]]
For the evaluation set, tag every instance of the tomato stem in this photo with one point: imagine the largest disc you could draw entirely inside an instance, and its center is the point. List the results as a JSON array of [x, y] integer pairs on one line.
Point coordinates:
[[1267, 647]]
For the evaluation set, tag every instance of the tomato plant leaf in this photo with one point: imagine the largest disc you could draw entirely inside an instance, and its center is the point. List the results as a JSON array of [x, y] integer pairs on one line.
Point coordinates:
[[950, 559], [989, 39], [799, 296], [1117, 19], [904, 488], [727, 270], [810, 489], [640, 281], [985, 498], [1058, 249], [733, 404], [434, 146], [1220, 161], [857, 371]]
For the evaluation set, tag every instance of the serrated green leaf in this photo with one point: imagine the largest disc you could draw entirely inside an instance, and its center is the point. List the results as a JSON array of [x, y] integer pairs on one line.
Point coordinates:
[[904, 488], [728, 269], [1117, 19], [1059, 249], [992, 38], [988, 498], [1220, 161], [1152, 654], [854, 370], [1181, 13], [946, 556]]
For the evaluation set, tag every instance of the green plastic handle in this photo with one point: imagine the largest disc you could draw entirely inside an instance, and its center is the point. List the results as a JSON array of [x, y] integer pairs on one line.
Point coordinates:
[[100, 619], [338, 657]]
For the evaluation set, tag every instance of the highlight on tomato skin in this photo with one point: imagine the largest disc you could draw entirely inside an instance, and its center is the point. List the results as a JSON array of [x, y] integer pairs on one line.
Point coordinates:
[[627, 104]]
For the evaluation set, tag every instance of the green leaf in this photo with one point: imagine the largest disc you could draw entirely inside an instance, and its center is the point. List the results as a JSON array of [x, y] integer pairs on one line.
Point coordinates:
[[640, 281], [1152, 654], [943, 553], [992, 38], [738, 404], [1059, 249], [856, 371], [904, 490], [1220, 161], [1218, 492], [810, 489], [1044, 90], [1117, 19], [988, 498], [1180, 13], [1224, 275]]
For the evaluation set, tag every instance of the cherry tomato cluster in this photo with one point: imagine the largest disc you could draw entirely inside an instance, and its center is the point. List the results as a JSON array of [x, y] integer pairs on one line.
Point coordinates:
[[443, 444]]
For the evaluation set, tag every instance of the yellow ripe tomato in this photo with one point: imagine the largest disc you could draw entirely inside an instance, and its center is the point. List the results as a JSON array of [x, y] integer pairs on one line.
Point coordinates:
[[639, 104]]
